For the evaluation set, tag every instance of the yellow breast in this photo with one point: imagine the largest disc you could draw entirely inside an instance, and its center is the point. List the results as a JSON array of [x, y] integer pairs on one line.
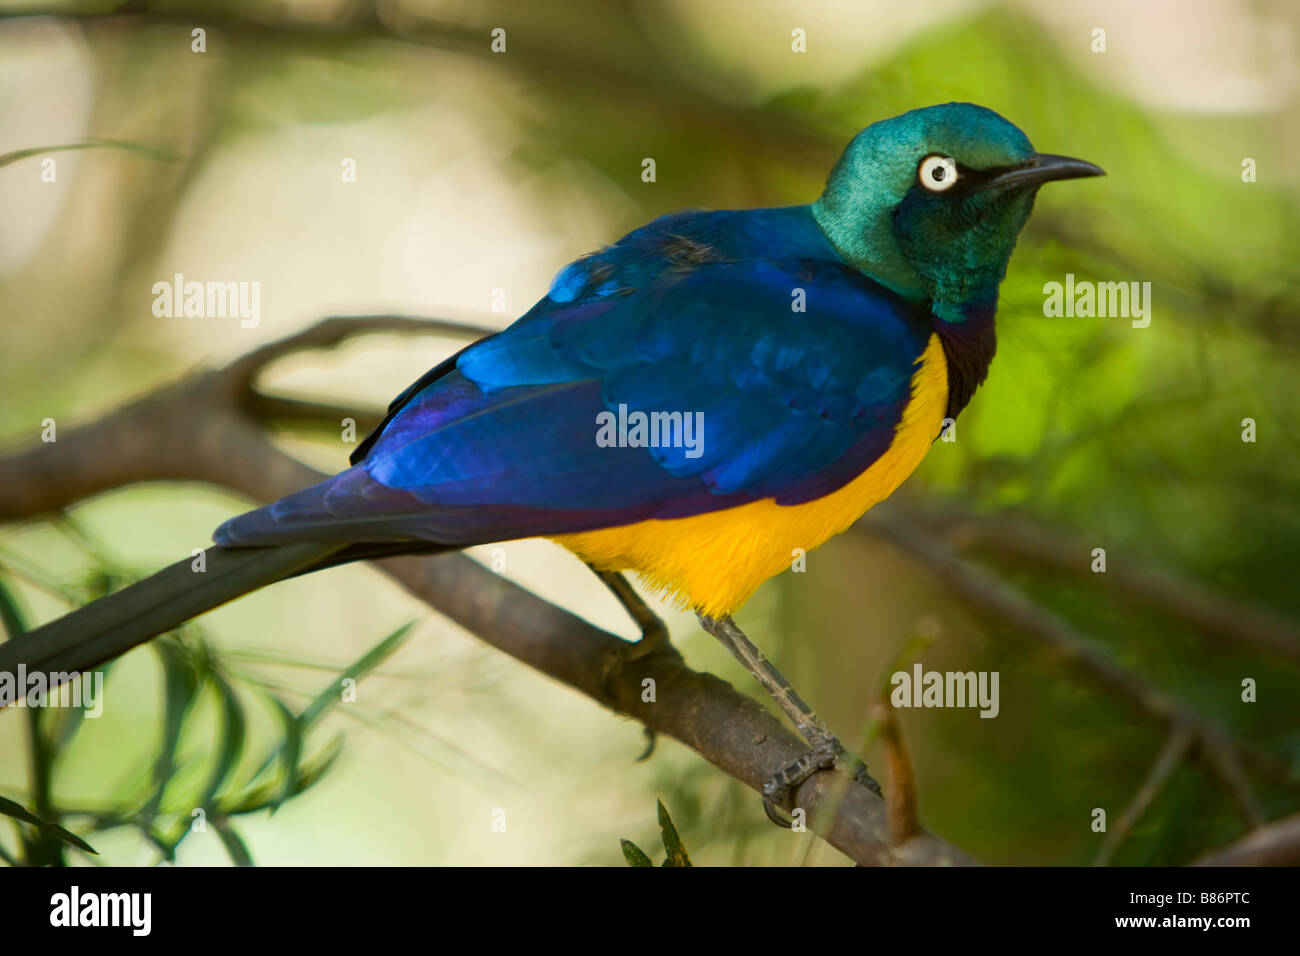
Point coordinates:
[[713, 562]]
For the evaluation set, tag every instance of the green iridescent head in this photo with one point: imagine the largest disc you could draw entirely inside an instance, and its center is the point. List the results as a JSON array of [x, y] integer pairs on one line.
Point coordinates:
[[930, 203]]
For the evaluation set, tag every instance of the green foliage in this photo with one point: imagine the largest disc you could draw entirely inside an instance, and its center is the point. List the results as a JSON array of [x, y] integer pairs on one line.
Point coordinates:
[[191, 780], [150, 151], [22, 814], [674, 852]]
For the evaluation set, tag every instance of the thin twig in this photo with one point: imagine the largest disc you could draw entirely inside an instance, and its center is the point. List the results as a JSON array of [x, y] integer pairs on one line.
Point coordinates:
[[1216, 750], [900, 779], [1276, 844], [1144, 582], [1176, 745]]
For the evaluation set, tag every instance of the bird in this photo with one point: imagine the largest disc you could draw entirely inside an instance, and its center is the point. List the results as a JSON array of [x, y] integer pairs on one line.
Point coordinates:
[[712, 395]]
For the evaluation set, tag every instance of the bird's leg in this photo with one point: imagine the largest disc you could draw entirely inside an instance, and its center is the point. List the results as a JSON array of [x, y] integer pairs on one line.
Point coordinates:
[[654, 638], [827, 753], [654, 635]]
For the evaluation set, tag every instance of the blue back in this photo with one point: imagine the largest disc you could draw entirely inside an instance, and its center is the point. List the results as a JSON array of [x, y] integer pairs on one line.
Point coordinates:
[[691, 313]]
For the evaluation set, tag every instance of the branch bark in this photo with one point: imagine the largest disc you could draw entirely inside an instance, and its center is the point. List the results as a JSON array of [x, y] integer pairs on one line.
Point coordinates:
[[1276, 844], [985, 592], [1213, 747], [1028, 543]]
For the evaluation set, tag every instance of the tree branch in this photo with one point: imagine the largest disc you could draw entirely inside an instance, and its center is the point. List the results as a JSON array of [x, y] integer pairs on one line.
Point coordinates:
[[1172, 594], [1277, 844], [1215, 749], [1176, 746]]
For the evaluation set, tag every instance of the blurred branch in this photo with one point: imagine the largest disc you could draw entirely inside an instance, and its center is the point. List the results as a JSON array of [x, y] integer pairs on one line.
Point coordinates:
[[1277, 844], [1214, 748], [639, 71], [279, 408], [1176, 746], [552, 57], [151, 151], [330, 331], [200, 429], [155, 437], [900, 779], [1162, 589]]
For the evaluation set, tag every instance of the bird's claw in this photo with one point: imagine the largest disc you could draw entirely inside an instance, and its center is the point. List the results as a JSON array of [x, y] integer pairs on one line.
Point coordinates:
[[653, 641], [828, 754], [650, 739]]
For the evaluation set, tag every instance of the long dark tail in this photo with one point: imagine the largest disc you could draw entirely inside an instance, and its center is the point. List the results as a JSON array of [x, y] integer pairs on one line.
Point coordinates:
[[114, 624]]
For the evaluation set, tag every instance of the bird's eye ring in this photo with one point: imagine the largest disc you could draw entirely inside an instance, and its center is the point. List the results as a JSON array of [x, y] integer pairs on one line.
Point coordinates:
[[937, 173]]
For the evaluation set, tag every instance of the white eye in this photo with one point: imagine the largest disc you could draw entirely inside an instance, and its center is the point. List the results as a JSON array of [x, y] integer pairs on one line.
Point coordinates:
[[937, 173]]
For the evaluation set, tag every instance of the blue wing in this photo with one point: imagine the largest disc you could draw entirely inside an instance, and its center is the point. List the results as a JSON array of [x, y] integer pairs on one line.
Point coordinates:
[[698, 314]]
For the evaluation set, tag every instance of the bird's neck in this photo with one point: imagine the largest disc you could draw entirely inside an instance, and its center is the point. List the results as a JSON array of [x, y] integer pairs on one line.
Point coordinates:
[[864, 240], [961, 301], [969, 342]]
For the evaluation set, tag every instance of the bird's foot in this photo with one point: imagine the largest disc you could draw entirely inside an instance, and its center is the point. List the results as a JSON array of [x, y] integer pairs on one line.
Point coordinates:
[[654, 640], [826, 754]]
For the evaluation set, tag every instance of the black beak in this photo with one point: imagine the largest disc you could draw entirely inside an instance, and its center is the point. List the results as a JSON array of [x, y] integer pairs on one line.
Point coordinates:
[[1044, 168]]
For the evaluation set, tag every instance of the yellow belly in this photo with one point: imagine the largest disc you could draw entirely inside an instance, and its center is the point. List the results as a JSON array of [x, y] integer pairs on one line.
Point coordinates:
[[713, 562]]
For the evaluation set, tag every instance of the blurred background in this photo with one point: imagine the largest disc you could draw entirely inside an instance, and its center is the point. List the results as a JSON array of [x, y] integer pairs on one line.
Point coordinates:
[[479, 174]]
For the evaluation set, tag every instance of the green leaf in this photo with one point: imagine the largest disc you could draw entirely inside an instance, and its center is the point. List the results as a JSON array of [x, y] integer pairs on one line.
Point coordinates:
[[262, 797], [672, 842], [11, 616], [290, 752], [181, 686], [19, 812], [233, 843], [233, 729], [68, 720], [151, 151], [634, 855], [332, 694], [312, 773], [325, 701]]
